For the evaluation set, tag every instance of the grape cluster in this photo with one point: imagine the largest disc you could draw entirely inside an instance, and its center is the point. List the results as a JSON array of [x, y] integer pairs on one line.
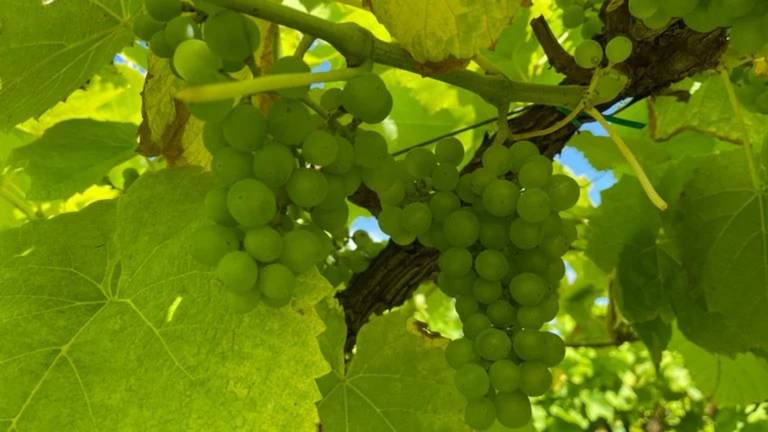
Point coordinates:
[[501, 243], [584, 14], [282, 178], [746, 18]]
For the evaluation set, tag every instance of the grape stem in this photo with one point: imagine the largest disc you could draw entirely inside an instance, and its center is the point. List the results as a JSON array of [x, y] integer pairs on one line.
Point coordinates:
[[262, 84], [304, 44], [645, 182], [358, 45], [14, 199]]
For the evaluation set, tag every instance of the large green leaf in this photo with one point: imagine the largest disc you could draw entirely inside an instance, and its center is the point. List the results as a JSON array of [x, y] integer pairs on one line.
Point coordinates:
[[108, 324], [738, 380], [73, 155], [436, 30], [725, 243], [398, 380], [49, 48]]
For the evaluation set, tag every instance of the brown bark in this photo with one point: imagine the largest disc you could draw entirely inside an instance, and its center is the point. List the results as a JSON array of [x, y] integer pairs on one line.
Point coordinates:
[[660, 58]]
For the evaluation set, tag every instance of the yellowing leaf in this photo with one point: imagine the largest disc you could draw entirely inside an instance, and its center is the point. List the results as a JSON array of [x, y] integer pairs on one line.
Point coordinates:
[[438, 30]]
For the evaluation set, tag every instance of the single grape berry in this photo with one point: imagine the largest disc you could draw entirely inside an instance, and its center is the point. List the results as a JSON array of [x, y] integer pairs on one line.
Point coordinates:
[[367, 98], [460, 352], [144, 26], [231, 35], [307, 187], [535, 378], [289, 65], [528, 289], [264, 244], [500, 197], [480, 413], [513, 409], [589, 54], [230, 165], [493, 344], [486, 291], [301, 250], [461, 228], [445, 177], [472, 381], [563, 192], [417, 218], [289, 121], [245, 128], [533, 205], [519, 153], [618, 49], [211, 243], [163, 10], [320, 148], [491, 265], [455, 261], [449, 151], [195, 62], [573, 16], [501, 313], [276, 282], [505, 375], [370, 149], [237, 271], [273, 164], [216, 207], [178, 30], [643, 9]]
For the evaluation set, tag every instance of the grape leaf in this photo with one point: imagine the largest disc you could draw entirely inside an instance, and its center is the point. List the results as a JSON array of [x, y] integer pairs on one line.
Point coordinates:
[[438, 30], [73, 155], [725, 243], [398, 380], [108, 324], [738, 380], [706, 111], [168, 129], [50, 48]]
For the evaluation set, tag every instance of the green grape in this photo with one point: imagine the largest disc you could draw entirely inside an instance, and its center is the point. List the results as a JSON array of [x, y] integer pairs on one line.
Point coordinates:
[[264, 244], [213, 137], [243, 302], [160, 46], [460, 352], [491, 265], [505, 375], [486, 291], [554, 349], [445, 177], [678, 8], [289, 122], [195, 62], [493, 344], [658, 21], [276, 281], [163, 10], [528, 289], [610, 84], [332, 219], [390, 220], [494, 232], [382, 177], [251, 203], [589, 54], [211, 243], [555, 271], [449, 151], [519, 153], [178, 30], [307, 187], [535, 173], [554, 246], [513, 409], [496, 158], [643, 9], [591, 28], [529, 344], [352, 181], [535, 378], [466, 306], [320, 148], [420, 163], [417, 218], [475, 323], [700, 20], [573, 16], [291, 65], [367, 98], [524, 235], [500, 197], [501, 313], [481, 178], [370, 149], [533, 205], [273, 164], [394, 195], [563, 192], [464, 189], [455, 262], [211, 111], [301, 250], [531, 317], [618, 49], [237, 271], [472, 381], [231, 35], [443, 204], [461, 228], [230, 165], [331, 99], [533, 261], [456, 285], [345, 157], [216, 207], [480, 413], [144, 26], [336, 195], [245, 128]]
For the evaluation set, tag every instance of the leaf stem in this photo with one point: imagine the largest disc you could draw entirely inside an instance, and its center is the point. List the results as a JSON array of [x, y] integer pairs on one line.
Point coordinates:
[[265, 83], [645, 182], [304, 44], [21, 204], [358, 45]]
